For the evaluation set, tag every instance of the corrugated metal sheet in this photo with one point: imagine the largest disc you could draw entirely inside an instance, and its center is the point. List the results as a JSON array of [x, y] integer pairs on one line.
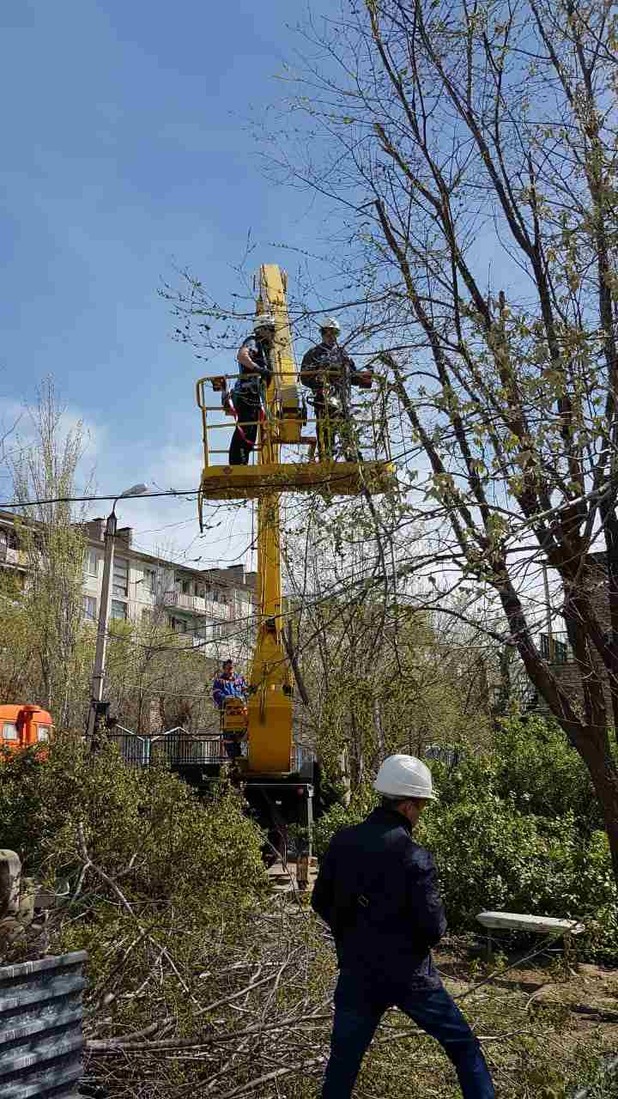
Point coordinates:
[[41, 1028]]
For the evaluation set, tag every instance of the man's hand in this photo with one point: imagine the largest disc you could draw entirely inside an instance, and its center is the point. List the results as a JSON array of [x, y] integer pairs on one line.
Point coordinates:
[[244, 358]]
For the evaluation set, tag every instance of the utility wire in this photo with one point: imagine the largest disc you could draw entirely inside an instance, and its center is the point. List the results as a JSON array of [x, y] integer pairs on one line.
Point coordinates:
[[94, 499]]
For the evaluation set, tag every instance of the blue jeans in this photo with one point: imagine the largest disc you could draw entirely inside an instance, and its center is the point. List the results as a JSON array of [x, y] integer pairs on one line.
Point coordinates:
[[359, 1006]]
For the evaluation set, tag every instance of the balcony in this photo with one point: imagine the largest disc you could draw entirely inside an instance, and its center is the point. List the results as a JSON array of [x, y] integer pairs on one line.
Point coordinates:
[[555, 649], [193, 603], [9, 555]]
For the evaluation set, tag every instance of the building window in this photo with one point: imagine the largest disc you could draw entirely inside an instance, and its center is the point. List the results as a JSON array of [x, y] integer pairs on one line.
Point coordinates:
[[150, 581], [561, 652], [120, 582], [89, 608], [92, 563], [8, 541], [119, 609], [9, 731]]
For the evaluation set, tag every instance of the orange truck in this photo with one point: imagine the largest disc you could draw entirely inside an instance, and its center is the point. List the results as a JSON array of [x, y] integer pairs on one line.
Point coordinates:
[[23, 727]]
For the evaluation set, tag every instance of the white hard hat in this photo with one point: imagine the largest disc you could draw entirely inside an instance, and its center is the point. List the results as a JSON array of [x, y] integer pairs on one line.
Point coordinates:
[[330, 322], [404, 777], [265, 320]]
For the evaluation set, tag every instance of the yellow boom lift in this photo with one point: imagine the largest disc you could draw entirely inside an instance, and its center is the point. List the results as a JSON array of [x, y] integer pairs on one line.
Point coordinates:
[[268, 718]]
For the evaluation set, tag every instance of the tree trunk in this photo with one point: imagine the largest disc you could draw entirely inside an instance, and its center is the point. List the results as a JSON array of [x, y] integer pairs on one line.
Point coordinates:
[[345, 777], [594, 750], [357, 763]]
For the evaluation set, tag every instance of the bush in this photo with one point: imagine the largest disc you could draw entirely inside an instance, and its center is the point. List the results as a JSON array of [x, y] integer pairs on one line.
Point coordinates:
[[340, 816], [514, 829], [145, 829], [536, 766], [531, 764]]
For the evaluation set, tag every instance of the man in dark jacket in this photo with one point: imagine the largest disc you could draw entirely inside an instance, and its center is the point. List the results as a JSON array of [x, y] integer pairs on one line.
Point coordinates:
[[328, 371], [378, 892], [255, 372]]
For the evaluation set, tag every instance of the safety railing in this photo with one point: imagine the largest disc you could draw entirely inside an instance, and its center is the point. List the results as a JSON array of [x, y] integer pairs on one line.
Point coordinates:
[[178, 747], [361, 429], [556, 648]]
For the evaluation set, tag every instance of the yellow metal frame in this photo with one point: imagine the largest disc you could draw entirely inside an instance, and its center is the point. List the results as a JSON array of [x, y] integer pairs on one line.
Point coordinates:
[[269, 721]]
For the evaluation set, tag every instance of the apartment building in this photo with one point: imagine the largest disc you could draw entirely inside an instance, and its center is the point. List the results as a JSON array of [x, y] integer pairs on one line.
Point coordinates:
[[213, 608]]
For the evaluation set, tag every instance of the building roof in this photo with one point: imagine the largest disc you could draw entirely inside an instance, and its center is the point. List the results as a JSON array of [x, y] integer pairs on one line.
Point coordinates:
[[230, 576]]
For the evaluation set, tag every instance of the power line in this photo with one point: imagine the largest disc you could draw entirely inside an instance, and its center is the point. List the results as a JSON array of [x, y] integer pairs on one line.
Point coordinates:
[[94, 499]]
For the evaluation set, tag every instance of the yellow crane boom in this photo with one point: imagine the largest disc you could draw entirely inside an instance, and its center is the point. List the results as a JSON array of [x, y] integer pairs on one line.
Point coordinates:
[[269, 721], [270, 706]]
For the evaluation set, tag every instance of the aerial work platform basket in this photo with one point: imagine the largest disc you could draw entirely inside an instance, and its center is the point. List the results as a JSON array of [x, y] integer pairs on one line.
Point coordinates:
[[372, 471], [220, 482]]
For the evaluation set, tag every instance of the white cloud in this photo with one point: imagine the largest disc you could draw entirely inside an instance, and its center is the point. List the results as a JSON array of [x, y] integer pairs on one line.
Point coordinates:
[[166, 525]]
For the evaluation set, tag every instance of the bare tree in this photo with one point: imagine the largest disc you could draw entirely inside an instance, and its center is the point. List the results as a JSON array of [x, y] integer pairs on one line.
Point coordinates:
[[472, 147], [44, 471], [380, 672]]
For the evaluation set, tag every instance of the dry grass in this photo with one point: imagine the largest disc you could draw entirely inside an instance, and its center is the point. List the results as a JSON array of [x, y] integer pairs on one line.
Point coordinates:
[[265, 1031]]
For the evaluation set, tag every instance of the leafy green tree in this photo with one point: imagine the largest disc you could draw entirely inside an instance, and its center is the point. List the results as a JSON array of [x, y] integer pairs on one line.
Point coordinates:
[[156, 680], [380, 675], [17, 642]]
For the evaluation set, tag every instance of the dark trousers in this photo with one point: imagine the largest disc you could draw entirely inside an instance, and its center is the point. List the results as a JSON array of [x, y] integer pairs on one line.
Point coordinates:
[[245, 433], [332, 426], [359, 1006], [231, 744]]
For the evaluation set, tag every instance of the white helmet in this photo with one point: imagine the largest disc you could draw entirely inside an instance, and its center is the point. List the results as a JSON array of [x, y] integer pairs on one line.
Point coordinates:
[[404, 777], [330, 322], [264, 320]]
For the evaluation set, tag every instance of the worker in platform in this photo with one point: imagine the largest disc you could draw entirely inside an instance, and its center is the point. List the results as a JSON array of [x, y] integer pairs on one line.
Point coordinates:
[[378, 892], [229, 684], [246, 397], [328, 371]]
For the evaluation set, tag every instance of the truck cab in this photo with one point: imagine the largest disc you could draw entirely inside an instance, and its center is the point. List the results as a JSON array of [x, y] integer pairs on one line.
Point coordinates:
[[23, 727]]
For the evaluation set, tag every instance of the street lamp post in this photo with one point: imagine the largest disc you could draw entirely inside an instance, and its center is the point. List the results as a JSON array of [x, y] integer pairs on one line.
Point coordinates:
[[98, 672]]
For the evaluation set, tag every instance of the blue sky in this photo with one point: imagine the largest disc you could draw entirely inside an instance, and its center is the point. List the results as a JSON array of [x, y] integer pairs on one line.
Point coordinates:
[[125, 153]]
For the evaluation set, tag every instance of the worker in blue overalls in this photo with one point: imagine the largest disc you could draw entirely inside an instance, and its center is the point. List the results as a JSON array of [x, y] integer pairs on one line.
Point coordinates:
[[378, 892], [228, 684]]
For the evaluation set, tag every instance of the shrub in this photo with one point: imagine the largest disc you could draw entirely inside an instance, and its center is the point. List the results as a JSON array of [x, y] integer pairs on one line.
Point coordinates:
[[514, 828], [144, 828], [340, 816], [536, 766]]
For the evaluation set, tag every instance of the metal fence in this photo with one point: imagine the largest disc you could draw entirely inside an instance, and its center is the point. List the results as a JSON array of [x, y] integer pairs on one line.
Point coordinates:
[[178, 748], [41, 1027]]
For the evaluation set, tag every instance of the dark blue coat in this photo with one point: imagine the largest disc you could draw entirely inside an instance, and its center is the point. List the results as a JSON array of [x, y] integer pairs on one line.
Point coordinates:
[[378, 892]]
